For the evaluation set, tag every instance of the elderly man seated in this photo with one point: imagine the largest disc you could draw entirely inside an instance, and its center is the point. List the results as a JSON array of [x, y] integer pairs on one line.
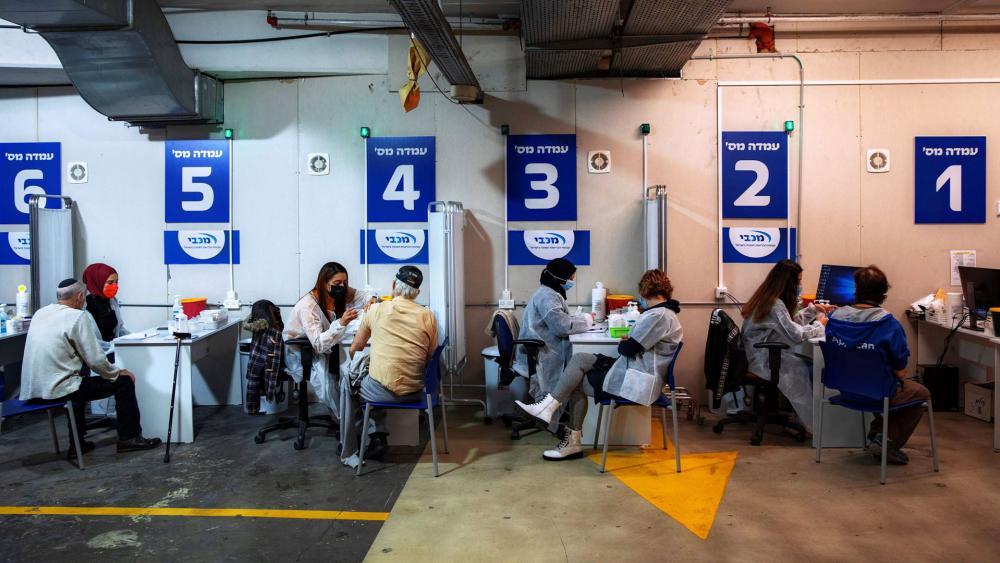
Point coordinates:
[[403, 338], [62, 340]]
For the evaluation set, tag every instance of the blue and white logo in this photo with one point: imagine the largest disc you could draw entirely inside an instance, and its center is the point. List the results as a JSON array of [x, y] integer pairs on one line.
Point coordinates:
[[950, 180], [27, 169], [755, 245], [530, 248], [199, 247], [395, 246], [196, 181], [17, 250]]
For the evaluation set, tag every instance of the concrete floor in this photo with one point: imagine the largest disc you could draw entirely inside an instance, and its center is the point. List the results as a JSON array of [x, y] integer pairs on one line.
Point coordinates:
[[223, 468], [497, 501]]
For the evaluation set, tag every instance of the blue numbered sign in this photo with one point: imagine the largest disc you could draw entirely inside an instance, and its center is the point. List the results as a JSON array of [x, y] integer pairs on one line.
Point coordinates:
[[196, 182], [401, 178], [754, 175], [541, 177], [950, 179], [27, 169]]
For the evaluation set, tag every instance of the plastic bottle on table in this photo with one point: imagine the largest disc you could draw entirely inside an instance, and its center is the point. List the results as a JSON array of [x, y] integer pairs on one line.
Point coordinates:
[[598, 301], [3, 319], [23, 303], [632, 315]]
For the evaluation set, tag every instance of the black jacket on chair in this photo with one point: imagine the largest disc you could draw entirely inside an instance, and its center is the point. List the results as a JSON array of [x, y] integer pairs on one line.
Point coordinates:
[[725, 359]]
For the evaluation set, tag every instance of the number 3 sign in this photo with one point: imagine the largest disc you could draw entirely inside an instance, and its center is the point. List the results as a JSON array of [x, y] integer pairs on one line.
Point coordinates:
[[401, 178], [541, 177], [950, 179], [754, 175]]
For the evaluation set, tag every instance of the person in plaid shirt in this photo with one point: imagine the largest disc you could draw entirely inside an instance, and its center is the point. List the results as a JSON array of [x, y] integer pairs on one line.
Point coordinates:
[[266, 354]]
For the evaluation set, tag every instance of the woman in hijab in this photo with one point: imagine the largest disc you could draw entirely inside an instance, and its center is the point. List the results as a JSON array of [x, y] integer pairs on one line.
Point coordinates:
[[102, 289], [547, 318]]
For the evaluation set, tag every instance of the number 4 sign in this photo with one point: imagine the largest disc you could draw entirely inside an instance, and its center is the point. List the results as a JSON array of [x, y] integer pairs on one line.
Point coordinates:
[[950, 179], [754, 175], [401, 178]]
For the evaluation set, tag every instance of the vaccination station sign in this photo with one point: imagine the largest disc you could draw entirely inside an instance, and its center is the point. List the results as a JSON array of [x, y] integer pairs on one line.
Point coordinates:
[[754, 175], [401, 178], [395, 246], [950, 179], [200, 247], [756, 245], [541, 177], [27, 169], [536, 248], [15, 248]]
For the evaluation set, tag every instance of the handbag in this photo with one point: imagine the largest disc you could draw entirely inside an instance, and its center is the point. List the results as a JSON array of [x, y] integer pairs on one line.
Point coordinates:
[[640, 387]]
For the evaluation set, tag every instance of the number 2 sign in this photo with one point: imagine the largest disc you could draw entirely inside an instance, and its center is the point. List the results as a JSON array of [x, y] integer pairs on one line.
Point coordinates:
[[401, 178], [541, 177], [754, 175], [950, 179]]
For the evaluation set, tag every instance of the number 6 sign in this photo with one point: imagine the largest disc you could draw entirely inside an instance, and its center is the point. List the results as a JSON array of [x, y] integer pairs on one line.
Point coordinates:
[[27, 169], [401, 178], [541, 177], [754, 175]]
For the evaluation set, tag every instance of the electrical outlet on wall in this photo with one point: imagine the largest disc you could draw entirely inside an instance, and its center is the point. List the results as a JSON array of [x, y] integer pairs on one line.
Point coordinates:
[[721, 291]]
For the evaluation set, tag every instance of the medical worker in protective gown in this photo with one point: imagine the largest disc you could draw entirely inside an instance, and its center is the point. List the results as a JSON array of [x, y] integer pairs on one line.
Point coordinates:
[[650, 348], [773, 314], [547, 318], [323, 316]]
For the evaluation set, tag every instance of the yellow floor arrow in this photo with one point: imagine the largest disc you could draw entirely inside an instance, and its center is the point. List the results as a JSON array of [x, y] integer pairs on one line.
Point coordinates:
[[691, 497]]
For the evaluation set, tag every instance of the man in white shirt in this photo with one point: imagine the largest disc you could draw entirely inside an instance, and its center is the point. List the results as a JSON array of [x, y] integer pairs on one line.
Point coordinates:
[[62, 339]]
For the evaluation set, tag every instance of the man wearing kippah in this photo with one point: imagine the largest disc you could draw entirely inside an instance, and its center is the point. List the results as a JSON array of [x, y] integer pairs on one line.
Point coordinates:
[[61, 340], [403, 337]]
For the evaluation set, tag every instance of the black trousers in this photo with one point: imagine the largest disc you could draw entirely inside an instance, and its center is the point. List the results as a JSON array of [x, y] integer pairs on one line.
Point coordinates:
[[96, 388]]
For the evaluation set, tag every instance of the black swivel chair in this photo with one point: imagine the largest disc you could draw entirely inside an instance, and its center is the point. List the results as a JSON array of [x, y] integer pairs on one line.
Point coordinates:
[[506, 346], [302, 421], [765, 401]]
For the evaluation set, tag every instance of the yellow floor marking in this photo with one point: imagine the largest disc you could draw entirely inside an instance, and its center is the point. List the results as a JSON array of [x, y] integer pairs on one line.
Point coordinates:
[[691, 497], [210, 512]]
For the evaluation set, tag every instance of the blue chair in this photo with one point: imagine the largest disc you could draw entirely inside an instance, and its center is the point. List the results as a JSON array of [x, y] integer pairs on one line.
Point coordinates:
[[431, 399], [13, 407], [866, 383], [664, 402], [507, 349]]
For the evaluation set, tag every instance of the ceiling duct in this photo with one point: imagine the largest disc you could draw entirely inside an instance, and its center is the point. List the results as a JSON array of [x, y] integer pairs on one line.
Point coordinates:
[[614, 38], [428, 24], [122, 59]]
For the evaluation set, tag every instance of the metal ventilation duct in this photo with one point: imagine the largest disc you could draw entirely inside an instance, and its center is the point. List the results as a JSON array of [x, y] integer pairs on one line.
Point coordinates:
[[428, 24], [122, 58]]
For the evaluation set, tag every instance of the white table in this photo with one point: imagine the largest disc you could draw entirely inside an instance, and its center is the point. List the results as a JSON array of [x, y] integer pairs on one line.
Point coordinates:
[[631, 425], [209, 375], [842, 428], [976, 353]]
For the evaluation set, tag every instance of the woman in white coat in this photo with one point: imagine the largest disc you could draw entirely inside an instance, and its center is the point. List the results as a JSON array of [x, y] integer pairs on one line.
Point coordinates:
[[323, 315], [773, 315]]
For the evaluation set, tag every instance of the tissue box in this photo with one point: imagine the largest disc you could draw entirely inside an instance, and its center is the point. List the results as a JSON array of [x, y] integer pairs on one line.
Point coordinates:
[[979, 400]]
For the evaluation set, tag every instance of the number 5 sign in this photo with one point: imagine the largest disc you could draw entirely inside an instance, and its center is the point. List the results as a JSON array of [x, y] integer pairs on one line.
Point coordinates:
[[541, 177], [950, 179], [196, 182], [401, 178], [754, 175], [27, 169]]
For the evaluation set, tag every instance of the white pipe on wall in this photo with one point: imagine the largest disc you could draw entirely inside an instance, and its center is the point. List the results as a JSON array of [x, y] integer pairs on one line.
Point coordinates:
[[853, 18]]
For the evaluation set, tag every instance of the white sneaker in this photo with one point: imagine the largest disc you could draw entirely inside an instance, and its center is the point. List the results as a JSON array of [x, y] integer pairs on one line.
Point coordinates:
[[542, 410], [568, 448]]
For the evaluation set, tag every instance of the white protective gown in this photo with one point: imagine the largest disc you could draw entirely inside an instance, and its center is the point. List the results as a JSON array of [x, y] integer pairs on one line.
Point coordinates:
[[547, 318], [659, 332], [795, 374], [307, 319]]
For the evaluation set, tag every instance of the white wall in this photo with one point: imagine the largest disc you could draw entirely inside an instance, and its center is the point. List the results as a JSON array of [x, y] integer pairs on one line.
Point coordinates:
[[291, 222]]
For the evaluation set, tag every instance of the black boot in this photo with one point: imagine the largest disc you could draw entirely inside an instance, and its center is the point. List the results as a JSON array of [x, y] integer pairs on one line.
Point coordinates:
[[378, 443]]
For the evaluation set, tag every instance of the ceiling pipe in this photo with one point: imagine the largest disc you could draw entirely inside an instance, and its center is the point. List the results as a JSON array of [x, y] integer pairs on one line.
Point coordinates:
[[735, 20], [325, 24]]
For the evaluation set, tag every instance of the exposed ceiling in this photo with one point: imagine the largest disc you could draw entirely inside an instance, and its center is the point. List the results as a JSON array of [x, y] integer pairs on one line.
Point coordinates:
[[837, 7], [451, 7]]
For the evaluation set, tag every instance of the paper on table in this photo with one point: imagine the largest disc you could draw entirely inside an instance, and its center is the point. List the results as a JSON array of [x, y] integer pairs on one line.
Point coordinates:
[[961, 258], [140, 335]]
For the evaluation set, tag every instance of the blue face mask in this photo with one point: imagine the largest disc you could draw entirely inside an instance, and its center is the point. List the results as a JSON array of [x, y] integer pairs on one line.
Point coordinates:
[[642, 303], [568, 285]]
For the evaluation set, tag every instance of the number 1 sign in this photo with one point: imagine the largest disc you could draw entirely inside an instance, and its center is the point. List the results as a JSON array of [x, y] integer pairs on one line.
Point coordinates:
[[401, 178], [950, 179], [754, 175]]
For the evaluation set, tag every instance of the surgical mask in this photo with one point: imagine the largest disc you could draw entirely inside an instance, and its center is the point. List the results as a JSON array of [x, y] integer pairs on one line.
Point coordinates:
[[798, 294], [338, 292], [111, 290], [643, 303], [568, 285]]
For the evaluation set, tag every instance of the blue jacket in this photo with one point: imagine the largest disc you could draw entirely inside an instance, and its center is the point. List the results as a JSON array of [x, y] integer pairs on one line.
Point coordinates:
[[885, 335]]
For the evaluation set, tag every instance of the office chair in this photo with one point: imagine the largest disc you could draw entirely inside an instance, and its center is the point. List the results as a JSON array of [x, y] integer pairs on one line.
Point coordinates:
[[766, 400], [302, 420], [13, 407], [865, 383], [506, 346], [432, 398], [664, 402]]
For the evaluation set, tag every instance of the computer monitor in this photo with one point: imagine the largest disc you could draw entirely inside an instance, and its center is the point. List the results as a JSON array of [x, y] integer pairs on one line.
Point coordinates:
[[836, 284], [981, 287]]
